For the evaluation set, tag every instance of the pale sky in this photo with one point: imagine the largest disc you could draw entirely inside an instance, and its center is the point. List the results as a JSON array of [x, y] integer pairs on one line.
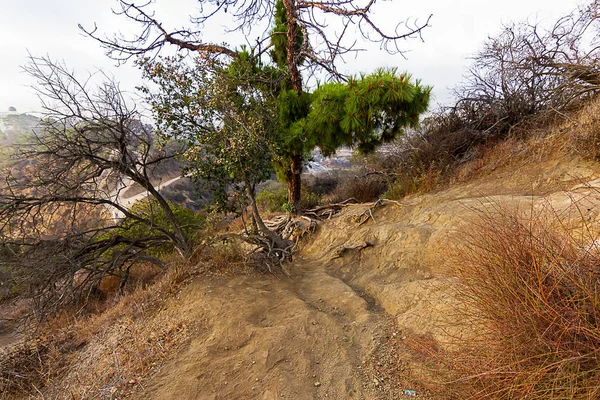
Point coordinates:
[[458, 29]]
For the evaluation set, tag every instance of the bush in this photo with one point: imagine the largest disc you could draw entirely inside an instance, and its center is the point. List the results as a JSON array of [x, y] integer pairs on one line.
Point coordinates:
[[425, 159], [274, 198], [532, 288], [191, 223], [363, 188]]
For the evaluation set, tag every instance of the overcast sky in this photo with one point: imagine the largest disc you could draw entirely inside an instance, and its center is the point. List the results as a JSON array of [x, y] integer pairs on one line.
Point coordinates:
[[458, 29]]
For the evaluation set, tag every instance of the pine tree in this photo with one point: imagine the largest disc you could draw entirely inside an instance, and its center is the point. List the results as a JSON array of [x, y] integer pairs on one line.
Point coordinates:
[[366, 111]]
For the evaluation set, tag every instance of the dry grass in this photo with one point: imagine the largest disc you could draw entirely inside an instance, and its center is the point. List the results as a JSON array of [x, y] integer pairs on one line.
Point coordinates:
[[113, 351], [532, 289], [439, 157], [577, 134], [419, 180], [362, 188], [584, 132]]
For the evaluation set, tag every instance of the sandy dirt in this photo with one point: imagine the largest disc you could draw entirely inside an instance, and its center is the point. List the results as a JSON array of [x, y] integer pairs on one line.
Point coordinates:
[[274, 338]]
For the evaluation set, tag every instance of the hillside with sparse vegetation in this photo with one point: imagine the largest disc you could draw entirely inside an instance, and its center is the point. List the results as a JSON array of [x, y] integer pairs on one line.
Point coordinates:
[[197, 255]]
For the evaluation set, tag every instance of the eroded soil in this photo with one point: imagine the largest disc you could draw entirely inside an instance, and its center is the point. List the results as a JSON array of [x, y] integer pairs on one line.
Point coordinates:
[[354, 290]]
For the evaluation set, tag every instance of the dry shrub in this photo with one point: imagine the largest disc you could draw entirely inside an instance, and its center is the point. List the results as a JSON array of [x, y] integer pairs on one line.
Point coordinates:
[[532, 289], [416, 181], [363, 188], [585, 131], [223, 258], [426, 159]]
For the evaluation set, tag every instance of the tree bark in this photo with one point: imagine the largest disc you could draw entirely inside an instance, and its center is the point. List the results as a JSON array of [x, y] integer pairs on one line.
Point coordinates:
[[295, 182], [180, 242], [292, 57], [275, 238]]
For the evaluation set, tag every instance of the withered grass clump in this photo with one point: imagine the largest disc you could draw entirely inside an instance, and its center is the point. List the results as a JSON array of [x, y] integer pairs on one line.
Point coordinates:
[[532, 287]]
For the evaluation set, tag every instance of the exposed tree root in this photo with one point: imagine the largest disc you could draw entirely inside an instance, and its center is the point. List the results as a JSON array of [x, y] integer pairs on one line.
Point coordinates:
[[368, 213], [339, 252], [328, 211], [272, 250]]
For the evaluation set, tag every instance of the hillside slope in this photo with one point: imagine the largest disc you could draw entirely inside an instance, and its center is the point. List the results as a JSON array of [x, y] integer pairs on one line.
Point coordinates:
[[325, 331], [369, 296]]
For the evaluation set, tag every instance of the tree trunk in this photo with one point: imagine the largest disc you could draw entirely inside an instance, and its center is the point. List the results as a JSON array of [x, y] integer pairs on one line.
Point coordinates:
[[182, 244], [292, 57], [275, 238], [294, 181], [178, 238]]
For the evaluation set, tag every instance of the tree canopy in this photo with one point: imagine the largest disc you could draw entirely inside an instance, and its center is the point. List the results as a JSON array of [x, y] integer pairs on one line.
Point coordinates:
[[301, 47]]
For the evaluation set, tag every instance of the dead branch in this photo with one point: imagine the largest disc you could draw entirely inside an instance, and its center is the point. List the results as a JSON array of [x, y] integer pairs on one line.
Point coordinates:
[[322, 47], [368, 213], [328, 211]]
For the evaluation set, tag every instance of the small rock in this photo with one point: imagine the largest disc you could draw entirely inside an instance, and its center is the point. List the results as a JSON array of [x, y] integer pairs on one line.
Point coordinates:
[[317, 384]]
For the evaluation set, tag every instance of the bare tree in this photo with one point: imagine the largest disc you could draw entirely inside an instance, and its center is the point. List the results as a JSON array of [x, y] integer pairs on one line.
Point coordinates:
[[60, 204], [529, 70], [322, 46]]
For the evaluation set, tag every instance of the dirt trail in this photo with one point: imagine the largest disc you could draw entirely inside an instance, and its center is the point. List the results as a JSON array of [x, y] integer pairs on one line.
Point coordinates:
[[314, 334], [274, 338]]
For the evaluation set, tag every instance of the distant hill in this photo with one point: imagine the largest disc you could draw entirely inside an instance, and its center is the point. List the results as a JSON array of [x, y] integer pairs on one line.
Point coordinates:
[[17, 128], [14, 127]]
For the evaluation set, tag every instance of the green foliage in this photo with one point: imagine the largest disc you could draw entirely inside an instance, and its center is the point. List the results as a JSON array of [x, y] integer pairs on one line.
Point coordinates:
[[191, 223], [279, 37], [366, 111], [271, 199], [224, 116], [275, 199], [289, 207], [240, 123]]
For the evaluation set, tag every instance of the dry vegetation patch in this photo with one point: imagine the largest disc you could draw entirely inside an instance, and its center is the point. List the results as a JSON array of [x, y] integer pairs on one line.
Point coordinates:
[[531, 286], [104, 355]]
